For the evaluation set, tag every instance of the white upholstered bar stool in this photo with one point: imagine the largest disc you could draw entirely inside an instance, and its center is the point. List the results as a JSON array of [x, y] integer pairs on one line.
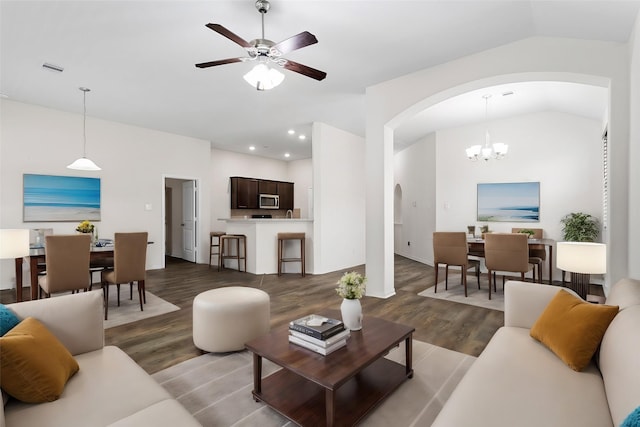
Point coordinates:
[[224, 319]]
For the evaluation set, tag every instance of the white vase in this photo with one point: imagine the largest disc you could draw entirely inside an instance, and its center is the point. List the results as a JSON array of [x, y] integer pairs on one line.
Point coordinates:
[[351, 314]]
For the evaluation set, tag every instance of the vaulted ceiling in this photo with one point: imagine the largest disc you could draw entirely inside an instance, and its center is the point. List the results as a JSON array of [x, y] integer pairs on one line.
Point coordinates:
[[138, 57]]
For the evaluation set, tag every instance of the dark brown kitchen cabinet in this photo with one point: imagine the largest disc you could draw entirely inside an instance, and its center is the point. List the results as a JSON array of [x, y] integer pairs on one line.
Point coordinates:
[[285, 191], [244, 193], [267, 187]]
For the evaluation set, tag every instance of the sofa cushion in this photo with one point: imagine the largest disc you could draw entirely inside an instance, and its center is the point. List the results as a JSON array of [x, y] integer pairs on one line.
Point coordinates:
[[110, 386], [165, 413], [620, 363], [573, 328], [517, 381], [8, 320], [35, 366], [624, 293]]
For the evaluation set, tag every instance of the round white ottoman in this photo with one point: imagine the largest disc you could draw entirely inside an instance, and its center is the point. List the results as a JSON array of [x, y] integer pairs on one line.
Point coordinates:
[[225, 319]]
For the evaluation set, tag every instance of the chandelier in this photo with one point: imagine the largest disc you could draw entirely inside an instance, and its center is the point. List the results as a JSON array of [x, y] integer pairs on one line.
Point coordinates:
[[497, 150]]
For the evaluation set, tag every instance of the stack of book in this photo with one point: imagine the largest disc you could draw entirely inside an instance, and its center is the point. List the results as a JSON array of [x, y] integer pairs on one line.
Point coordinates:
[[318, 333]]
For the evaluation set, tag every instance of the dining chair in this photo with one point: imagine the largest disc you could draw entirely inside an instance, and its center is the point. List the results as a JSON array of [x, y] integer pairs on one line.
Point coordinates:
[[67, 264], [506, 252], [537, 252], [450, 248], [129, 261]]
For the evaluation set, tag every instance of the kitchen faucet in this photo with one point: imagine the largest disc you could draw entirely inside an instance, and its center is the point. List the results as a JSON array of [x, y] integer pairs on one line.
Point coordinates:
[[289, 212]]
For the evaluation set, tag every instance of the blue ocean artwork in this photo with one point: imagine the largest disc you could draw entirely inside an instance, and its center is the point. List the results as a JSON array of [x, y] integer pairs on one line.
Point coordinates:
[[509, 202], [61, 198]]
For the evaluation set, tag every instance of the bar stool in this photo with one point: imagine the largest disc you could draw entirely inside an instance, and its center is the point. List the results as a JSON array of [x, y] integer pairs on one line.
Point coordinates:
[[282, 238], [225, 247], [216, 235]]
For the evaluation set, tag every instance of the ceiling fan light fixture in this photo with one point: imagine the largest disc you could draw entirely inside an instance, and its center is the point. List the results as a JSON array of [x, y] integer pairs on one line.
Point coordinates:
[[264, 78]]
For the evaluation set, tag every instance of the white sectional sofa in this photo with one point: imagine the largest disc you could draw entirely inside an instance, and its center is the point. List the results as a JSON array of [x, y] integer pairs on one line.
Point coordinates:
[[110, 389], [517, 381]]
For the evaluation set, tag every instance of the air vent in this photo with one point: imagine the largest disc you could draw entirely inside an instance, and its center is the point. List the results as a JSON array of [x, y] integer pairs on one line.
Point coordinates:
[[52, 67]]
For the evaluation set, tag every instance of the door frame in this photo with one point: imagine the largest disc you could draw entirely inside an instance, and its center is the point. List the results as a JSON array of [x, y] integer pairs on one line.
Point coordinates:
[[198, 211]]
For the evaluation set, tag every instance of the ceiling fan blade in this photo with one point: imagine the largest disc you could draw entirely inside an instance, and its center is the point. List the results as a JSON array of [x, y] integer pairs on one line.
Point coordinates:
[[296, 42], [305, 70], [219, 62], [228, 34]]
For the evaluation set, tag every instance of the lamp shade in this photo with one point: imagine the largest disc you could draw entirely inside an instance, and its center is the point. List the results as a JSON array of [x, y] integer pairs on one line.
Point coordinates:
[[582, 257], [14, 243], [84, 164]]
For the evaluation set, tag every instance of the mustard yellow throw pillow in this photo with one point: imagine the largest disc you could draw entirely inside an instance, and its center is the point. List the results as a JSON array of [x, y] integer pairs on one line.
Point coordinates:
[[573, 328], [34, 365]]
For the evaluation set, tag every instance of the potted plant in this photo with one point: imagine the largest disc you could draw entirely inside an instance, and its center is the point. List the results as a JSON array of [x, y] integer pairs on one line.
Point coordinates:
[[528, 232], [580, 227], [351, 287]]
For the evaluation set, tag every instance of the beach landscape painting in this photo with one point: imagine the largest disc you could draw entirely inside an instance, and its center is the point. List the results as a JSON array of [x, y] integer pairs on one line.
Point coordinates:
[[60, 198], [509, 202]]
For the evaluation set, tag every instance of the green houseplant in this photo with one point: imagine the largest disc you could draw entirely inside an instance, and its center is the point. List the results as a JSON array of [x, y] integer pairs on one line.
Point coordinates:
[[580, 227]]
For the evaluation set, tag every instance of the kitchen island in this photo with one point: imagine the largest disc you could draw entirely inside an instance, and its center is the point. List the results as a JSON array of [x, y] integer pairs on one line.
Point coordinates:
[[262, 243]]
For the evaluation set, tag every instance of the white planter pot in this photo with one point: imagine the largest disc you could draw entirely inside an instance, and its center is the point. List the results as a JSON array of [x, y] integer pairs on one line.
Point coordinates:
[[351, 314]]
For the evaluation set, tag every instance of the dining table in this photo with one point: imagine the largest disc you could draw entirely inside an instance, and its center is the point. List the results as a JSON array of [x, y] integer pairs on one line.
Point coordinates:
[[37, 263], [476, 248]]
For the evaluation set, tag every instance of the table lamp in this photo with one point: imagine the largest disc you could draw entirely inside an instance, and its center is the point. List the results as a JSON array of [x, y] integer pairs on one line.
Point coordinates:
[[582, 259], [14, 243]]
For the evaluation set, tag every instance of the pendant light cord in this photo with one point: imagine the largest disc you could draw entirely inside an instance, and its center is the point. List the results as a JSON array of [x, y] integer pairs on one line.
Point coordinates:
[[84, 123]]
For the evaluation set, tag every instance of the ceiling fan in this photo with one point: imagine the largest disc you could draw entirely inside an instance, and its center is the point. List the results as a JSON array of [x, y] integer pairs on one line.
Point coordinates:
[[265, 51]]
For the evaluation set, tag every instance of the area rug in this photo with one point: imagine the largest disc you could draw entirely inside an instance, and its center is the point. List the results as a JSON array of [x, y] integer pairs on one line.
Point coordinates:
[[479, 298], [129, 310], [216, 389]]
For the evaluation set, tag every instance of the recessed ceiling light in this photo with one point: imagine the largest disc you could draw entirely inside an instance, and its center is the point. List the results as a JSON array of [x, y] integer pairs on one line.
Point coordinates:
[[291, 131], [252, 148], [302, 137], [287, 154]]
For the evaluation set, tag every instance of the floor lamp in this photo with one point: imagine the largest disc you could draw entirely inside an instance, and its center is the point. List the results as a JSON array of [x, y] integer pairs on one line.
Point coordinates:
[[581, 259]]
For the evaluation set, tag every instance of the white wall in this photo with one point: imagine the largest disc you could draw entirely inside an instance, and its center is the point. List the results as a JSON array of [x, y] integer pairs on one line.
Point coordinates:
[[300, 172], [415, 172], [133, 161], [561, 151], [634, 155], [338, 198], [539, 58]]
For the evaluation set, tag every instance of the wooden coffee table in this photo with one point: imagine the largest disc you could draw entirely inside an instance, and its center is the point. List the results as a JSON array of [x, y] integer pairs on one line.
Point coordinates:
[[334, 390]]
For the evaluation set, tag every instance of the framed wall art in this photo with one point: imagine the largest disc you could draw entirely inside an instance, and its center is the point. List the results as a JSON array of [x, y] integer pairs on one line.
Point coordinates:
[[509, 202], [60, 198]]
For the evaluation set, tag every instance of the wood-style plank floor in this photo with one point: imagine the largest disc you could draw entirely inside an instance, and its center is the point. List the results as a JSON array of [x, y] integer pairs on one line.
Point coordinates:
[[162, 341]]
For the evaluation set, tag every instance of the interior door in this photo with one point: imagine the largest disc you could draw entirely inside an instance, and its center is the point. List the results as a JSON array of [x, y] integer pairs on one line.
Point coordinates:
[[189, 221]]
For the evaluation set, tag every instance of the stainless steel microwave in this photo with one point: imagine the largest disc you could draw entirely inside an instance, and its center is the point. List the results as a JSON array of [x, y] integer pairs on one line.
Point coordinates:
[[269, 201]]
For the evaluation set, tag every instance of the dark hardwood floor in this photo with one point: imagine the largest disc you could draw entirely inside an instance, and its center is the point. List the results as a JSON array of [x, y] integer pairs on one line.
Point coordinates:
[[162, 341]]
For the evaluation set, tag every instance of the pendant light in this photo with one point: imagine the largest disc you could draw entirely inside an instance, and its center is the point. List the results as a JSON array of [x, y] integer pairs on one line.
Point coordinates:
[[83, 163]]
